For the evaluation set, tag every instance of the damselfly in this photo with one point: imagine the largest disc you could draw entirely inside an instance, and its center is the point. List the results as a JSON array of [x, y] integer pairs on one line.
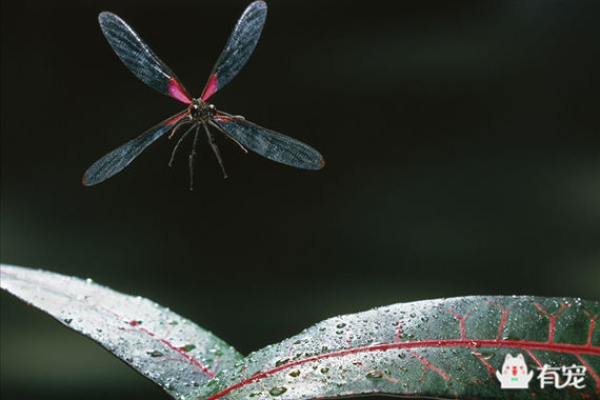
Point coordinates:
[[199, 115]]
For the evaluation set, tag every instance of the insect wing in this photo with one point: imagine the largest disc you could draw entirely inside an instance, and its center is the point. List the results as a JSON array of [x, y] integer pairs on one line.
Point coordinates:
[[140, 59], [120, 157], [239, 47], [272, 145]]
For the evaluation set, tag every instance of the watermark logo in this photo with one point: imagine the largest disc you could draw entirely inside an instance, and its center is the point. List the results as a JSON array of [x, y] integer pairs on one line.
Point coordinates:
[[562, 377], [514, 373]]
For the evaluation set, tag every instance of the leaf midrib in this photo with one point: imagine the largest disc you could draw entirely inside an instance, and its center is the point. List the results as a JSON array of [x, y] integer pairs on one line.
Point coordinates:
[[568, 348]]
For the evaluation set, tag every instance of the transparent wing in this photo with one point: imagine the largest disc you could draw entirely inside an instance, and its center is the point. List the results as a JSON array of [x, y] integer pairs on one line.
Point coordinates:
[[272, 145], [120, 157], [239, 47], [140, 59]]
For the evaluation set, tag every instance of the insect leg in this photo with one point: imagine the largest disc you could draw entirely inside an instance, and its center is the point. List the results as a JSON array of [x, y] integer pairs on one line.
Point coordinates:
[[191, 158], [222, 115], [180, 123], [227, 135], [212, 143], [177, 145]]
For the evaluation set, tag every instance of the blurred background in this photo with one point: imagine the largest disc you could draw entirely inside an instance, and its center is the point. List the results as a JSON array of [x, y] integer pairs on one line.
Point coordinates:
[[462, 141]]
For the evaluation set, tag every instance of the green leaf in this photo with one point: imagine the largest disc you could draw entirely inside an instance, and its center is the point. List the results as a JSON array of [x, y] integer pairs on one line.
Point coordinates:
[[449, 348], [170, 350]]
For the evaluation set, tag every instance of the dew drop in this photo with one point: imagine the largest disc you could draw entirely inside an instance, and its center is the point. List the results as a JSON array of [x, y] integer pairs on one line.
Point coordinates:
[[324, 370], [188, 347], [155, 353], [278, 390], [281, 362], [374, 375]]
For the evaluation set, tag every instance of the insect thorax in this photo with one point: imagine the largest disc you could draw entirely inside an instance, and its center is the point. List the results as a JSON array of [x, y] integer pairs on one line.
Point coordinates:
[[202, 111]]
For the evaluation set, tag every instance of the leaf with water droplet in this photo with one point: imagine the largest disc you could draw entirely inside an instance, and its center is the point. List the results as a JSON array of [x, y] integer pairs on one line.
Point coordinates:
[[448, 348], [405, 350], [127, 326]]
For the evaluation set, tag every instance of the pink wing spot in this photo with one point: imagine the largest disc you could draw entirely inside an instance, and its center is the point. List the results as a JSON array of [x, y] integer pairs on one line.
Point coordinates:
[[177, 92], [211, 87], [176, 118]]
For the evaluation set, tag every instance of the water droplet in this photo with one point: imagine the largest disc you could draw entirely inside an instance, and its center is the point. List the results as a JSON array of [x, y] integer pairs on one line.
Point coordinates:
[[374, 375], [188, 347], [281, 362], [324, 370], [487, 356], [68, 320], [278, 390], [340, 326]]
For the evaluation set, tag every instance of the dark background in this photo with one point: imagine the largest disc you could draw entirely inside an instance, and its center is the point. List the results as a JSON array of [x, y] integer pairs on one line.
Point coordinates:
[[461, 139]]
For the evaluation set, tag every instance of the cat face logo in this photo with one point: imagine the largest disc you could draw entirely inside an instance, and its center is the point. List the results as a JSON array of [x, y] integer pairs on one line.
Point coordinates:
[[514, 373]]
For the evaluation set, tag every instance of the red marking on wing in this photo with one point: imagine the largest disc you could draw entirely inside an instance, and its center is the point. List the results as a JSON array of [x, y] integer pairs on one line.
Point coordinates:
[[224, 118], [176, 117], [211, 87], [177, 92], [427, 365], [552, 318]]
